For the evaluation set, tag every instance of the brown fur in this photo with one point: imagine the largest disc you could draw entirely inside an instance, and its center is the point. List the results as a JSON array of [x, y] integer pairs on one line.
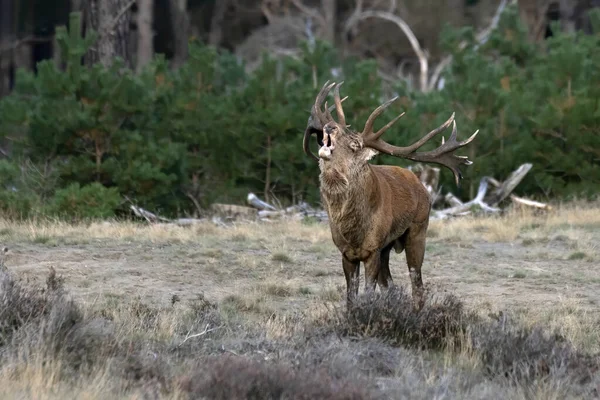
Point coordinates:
[[373, 208]]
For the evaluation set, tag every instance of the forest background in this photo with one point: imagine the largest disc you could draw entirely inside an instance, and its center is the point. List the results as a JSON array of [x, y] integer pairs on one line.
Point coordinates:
[[178, 104]]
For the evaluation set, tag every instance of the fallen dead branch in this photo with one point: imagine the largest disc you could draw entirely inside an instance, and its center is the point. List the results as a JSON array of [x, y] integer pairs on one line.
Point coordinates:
[[476, 204], [257, 203], [505, 188], [490, 194], [147, 215], [195, 335], [153, 218], [430, 178], [529, 203], [488, 202]]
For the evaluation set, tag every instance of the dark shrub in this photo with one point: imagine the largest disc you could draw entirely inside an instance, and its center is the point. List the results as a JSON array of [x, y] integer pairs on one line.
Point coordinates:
[[526, 354], [232, 377], [90, 201], [391, 316], [48, 307]]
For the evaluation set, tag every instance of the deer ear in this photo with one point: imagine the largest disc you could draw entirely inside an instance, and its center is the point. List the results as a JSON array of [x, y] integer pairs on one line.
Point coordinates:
[[370, 153]]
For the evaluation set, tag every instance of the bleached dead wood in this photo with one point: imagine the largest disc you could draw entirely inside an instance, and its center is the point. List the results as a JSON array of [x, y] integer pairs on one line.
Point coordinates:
[[270, 214], [487, 202], [421, 54], [147, 215], [267, 212], [483, 202], [506, 187], [188, 221], [153, 218], [233, 210], [430, 178], [255, 202], [529, 203], [195, 335], [452, 200], [477, 202], [481, 38]]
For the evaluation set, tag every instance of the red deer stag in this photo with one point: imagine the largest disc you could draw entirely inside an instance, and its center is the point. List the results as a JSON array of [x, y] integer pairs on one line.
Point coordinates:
[[374, 208]]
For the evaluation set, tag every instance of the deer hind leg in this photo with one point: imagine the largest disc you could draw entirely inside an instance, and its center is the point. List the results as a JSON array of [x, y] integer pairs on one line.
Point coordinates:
[[415, 252], [352, 273], [384, 279]]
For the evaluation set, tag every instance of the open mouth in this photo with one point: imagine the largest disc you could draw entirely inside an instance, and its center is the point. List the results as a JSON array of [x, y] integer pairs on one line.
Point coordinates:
[[327, 149]]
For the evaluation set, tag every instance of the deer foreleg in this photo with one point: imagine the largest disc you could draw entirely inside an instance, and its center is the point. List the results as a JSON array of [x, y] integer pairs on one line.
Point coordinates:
[[352, 273], [372, 269]]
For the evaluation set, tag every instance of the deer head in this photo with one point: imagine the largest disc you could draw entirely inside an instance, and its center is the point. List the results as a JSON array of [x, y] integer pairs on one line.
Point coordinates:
[[341, 147]]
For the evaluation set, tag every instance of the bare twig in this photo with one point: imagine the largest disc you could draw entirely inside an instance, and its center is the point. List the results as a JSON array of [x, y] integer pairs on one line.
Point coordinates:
[[481, 38], [195, 201], [195, 335], [223, 349], [387, 16], [393, 5], [309, 11], [354, 17], [119, 15], [437, 71], [29, 39]]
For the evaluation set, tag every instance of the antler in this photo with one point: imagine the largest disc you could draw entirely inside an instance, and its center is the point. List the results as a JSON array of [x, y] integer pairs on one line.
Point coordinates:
[[319, 118], [443, 155]]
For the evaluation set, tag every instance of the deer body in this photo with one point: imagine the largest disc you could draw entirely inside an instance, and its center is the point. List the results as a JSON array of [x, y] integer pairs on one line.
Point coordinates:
[[374, 208], [362, 227]]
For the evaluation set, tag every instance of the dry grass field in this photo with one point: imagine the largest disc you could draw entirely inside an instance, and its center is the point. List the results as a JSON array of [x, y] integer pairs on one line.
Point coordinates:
[[256, 310]]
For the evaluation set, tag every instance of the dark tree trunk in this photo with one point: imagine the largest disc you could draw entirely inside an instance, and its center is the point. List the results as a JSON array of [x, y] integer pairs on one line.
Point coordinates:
[[329, 8], [567, 15], [533, 15], [145, 41], [215, 36], [110, 18], [7, 41], [581, 18], [180, 24]]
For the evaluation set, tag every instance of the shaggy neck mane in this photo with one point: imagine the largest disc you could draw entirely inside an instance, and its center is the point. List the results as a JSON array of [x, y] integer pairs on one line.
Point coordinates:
[[348, 196]]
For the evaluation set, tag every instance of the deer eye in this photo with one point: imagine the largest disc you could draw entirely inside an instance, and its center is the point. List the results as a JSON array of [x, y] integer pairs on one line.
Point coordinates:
[[354, 146]]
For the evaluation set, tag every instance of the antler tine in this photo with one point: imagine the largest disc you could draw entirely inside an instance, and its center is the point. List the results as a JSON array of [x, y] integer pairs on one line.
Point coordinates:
[[443, 155], [380, 132], [368, 129], [318, 118], [338, 105], [328, 110], [415, 146], [316, 111]]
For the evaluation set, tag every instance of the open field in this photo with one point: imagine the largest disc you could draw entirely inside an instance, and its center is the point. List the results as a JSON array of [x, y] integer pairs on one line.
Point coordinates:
[[271, 294]]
